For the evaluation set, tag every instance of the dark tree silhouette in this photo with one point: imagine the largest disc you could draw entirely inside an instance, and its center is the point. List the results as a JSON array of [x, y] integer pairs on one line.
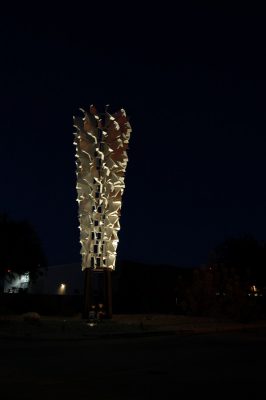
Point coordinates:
[[144, 288], [243, 255], [232, 283], [20, 248]]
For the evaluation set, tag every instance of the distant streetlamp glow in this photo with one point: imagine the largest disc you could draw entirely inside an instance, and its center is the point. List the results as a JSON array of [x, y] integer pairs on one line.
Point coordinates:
[[62, 288]]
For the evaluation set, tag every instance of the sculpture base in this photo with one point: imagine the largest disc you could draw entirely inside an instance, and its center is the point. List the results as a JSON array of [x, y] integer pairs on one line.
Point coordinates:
[[97, 294]]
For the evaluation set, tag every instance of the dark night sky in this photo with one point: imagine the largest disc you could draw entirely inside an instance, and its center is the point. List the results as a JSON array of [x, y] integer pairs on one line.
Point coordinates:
[[192, 81]]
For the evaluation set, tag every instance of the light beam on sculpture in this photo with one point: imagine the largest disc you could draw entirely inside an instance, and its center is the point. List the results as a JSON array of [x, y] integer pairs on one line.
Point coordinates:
[[101, 141]]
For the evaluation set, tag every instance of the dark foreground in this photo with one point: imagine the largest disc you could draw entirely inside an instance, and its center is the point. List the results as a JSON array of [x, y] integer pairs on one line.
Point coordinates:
[[213, 366]]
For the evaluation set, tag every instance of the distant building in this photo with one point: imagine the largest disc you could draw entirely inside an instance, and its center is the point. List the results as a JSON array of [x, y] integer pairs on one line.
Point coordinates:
[[64, 279], [16, 283]]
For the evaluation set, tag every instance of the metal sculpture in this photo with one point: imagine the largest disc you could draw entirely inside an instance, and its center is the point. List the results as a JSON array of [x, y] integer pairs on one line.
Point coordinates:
[[101, 141]]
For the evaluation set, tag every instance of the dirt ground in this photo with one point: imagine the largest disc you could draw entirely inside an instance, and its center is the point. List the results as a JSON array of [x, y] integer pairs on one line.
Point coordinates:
[[35, 326]]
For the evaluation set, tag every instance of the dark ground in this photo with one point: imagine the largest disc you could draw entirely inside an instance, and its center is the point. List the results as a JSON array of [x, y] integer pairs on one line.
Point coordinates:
[[35, 327], [132, 357], [214, 365]]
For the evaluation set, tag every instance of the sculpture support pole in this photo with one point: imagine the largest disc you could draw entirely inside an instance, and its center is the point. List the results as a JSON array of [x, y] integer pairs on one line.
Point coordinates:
[[108, 292], [87, 292]]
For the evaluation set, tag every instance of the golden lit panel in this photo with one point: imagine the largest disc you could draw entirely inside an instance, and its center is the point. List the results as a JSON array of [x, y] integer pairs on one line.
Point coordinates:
[[101, 141]]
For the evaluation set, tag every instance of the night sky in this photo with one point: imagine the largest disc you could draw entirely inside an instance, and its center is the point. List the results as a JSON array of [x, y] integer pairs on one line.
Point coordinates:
[[192, 81]]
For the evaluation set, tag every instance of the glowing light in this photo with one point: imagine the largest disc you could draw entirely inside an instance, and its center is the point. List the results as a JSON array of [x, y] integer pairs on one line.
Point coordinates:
[[253, 289], [62, 288], [25, 277]]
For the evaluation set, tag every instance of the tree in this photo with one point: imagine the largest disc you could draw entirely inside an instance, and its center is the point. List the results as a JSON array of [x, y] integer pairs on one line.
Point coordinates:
[[20, 248], [239, 267], [243, 255]]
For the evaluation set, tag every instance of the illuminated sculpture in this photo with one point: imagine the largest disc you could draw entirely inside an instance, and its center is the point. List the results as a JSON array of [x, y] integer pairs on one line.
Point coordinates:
[[101, 142]]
